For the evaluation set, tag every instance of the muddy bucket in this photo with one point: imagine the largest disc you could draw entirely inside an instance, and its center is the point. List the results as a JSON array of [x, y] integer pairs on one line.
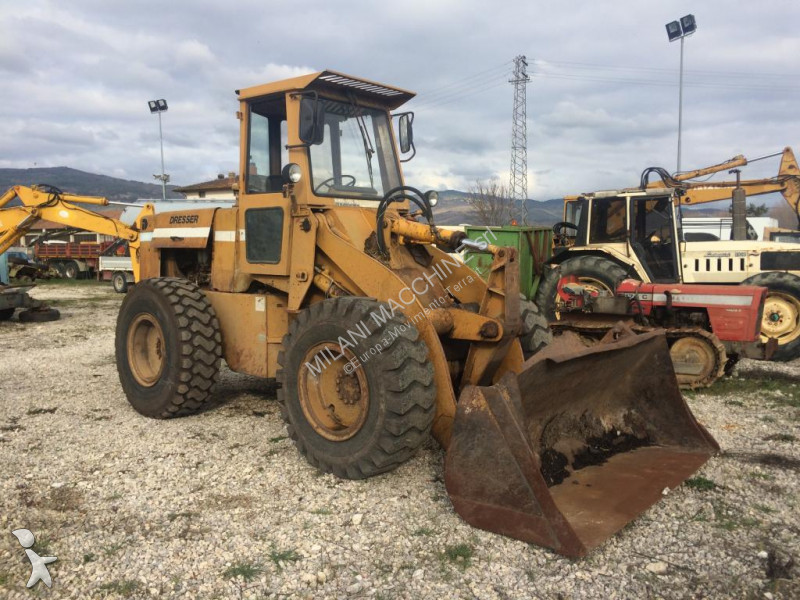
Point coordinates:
[[577, 445]]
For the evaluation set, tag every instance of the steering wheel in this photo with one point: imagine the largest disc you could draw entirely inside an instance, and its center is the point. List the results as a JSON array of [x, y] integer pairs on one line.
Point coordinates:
[[331, 180], [559, 227]]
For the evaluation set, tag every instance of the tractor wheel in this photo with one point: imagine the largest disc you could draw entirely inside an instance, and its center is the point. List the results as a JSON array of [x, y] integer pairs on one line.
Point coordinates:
[[71, 270], [536, 333], [358, 399], [592, 271], [781, 318], [168, 348], [120, 282], [6, 314]]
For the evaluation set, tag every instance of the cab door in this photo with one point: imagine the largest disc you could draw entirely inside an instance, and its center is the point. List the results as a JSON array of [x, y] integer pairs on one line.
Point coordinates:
[[263, 227], [653, 237]]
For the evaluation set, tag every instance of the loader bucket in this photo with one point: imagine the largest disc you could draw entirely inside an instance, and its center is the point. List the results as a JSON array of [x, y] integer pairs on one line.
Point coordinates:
[[574, 447]]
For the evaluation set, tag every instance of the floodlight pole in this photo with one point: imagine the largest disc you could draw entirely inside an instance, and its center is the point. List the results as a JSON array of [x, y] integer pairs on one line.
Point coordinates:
[[680, 106], [164, 177]]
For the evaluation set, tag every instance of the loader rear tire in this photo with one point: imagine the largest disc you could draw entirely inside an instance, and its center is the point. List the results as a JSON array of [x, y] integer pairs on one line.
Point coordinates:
[[168, 348], [781, 318], [536, 332], [593, 271], [352, 410]]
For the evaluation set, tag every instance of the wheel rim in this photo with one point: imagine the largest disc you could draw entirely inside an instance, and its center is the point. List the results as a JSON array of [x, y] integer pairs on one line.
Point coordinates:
[[333, 395], [692, 358], [590, 283], [146, 352], [781, 318], [118, 283], [71, 271]]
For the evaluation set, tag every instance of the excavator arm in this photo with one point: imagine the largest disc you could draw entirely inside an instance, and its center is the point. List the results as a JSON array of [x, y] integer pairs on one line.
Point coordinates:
[[40, 203], [787, 183]]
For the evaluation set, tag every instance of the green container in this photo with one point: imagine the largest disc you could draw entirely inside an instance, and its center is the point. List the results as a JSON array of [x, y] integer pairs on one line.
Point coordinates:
[[534, 244]]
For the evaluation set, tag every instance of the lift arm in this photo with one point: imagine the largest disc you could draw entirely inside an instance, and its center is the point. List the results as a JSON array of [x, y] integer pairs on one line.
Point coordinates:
[[41, 203], [787, 183]]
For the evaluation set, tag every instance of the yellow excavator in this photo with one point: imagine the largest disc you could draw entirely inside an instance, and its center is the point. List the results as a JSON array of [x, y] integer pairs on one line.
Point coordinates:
[[330, 275], [21, 208], [786, 182]]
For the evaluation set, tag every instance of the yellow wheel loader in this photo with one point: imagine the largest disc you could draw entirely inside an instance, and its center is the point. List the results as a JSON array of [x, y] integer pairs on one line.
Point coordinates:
[[330, 275]]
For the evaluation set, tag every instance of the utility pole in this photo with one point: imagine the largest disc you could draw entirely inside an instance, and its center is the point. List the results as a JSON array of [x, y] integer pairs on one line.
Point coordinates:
[[518, 185]]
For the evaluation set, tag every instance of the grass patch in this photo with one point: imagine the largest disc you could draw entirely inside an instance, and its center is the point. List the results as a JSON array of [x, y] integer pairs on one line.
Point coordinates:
[[281, 557], [277, 438], [243, 570], [459, 555], [777, 388], [763, 508], [760, 475], [89, 557], [3, 578], [175, 515], [780, 437], [74, 282], [700, 484], [123, 587], [42, 411], [42, 545], [321, 511], [113, 548], [423, 531]]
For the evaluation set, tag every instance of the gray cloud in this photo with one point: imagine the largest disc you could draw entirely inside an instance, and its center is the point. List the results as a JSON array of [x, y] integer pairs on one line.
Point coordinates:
[[602, 103]]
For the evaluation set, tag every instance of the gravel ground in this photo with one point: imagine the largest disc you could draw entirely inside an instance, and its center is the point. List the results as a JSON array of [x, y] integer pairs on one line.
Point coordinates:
[[220, 505]]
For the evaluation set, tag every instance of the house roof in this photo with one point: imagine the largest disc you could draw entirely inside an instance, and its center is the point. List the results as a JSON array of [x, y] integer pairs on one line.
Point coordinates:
[[215, 185]]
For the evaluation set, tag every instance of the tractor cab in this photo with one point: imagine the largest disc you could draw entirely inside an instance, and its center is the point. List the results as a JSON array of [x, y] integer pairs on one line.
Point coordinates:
[[631, 225]]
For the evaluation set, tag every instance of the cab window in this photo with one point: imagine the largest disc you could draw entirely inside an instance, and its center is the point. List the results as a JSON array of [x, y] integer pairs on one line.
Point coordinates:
[[267, 140], [608, 223]]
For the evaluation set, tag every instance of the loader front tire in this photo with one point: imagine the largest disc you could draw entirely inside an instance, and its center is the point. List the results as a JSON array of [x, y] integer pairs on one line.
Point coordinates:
[[536, 332], [358, 397], [593, 271], [168, 348], [781, 318]]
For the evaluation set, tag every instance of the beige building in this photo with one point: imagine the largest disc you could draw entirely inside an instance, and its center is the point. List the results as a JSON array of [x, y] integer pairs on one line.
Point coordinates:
[[220, 188]]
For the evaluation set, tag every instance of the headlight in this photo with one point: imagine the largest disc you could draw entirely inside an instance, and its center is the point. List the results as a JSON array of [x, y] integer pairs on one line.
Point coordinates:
[[292, 173], [433, 197]]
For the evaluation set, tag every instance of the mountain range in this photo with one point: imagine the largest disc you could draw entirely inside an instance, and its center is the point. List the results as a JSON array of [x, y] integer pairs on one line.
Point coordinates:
[[451, 210], [83, 183]]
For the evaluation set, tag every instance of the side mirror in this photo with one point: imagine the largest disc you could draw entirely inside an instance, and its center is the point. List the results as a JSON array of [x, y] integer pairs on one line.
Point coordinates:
[[406, 132], [312, 122]]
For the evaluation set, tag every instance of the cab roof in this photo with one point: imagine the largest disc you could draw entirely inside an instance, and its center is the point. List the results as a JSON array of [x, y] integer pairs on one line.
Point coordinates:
[[332, 81]]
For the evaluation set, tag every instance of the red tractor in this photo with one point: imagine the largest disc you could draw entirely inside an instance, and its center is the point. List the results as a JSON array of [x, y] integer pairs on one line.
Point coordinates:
[[709, 327]]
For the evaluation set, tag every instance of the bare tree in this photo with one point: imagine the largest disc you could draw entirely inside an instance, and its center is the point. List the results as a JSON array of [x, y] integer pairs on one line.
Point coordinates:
[[785, 214], [491, 203]]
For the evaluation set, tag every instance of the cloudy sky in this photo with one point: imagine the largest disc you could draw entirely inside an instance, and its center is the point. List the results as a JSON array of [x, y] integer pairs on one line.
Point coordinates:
[[602, 101]]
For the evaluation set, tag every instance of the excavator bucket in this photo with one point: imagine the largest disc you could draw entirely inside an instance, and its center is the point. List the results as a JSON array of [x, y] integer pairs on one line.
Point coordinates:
[[577, 445]]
